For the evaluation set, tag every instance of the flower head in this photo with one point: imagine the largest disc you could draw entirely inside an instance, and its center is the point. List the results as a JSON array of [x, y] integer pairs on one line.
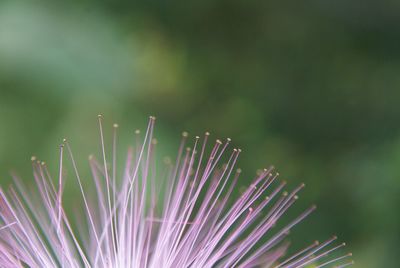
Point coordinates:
[[181, 215]]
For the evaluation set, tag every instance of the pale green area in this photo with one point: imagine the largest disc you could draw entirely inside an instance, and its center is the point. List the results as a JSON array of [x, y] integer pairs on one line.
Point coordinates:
[[311, 87]]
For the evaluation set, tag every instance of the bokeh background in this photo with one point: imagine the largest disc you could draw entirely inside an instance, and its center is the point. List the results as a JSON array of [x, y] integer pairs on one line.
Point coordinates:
[[309, 86]]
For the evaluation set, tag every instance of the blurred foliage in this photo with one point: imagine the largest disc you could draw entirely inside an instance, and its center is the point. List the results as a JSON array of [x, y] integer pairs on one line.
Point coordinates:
[[311, 87]]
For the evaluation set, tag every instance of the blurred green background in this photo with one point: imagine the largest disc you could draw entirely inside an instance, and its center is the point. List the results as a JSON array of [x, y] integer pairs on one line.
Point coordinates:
[[311, 87]]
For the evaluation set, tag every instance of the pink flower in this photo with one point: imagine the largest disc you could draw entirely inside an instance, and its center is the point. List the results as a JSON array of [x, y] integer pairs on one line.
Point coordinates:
[[181, 215]]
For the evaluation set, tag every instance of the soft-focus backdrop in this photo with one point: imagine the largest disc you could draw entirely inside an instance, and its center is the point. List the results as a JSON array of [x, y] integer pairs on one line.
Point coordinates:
[[311, 87]]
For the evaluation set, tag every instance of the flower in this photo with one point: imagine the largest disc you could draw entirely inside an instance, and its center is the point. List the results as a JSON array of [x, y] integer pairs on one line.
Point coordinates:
[[183, 216]]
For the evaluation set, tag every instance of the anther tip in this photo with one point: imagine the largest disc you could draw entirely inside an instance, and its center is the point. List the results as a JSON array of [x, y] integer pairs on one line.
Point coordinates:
[[33, 158], [115, 125], [185, 134], [137, 131], [207, 133]]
